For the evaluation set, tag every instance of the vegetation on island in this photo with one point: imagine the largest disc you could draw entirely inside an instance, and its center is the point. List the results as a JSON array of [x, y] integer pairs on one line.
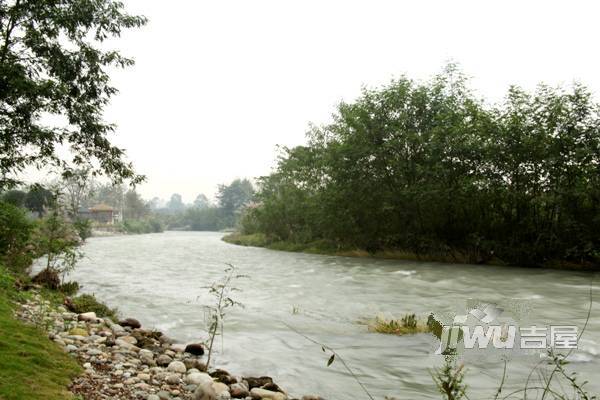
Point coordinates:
[[431, 170]]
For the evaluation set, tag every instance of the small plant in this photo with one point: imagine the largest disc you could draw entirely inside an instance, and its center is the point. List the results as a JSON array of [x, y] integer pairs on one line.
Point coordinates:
[[449, 380], [69, 288], [405, 326], [409, 321], [216, 314], [58, 240]]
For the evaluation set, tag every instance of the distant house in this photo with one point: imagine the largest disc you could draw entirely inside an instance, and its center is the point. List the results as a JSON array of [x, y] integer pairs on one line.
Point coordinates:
[[101, 213]]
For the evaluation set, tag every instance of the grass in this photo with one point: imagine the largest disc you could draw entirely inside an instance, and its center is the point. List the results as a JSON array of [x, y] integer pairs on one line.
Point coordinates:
[[89, 303], [407, 325], [329, 248], [31, 366]]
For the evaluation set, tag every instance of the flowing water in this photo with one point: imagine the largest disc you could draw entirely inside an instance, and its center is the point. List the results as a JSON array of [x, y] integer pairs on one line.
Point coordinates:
[[160, 279]]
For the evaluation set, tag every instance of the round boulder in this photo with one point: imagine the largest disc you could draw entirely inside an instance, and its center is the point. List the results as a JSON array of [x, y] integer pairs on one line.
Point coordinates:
[[196, 349]]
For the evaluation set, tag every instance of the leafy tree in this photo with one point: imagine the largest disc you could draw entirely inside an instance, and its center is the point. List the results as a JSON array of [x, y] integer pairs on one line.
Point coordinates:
[[135, 207], [233, 197], [15, 232], [77, 188], [57, 239], [53, 64], [427, 167], [15, 197], [39, 199], [175, 203], [201, 201]]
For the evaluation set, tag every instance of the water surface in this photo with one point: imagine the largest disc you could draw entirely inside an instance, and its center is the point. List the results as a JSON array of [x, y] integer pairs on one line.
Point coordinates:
[[160, 279]]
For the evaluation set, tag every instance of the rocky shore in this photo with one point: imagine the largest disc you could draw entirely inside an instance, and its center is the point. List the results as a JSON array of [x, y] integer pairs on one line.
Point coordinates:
[[124, 361]]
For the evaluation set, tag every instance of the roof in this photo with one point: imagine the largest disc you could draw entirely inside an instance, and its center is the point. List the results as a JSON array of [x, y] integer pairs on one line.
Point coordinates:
[[101, 207]]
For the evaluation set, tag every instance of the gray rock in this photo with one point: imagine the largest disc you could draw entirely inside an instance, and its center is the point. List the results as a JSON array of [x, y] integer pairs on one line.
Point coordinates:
[[205, 392], [197, 378], [164, 395], [177, 366], [88, 316], [267, 394], [239, 391], [163, 360], [172, 379]]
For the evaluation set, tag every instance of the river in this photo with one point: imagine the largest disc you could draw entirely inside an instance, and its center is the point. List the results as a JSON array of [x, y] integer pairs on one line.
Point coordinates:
[[160, 279]]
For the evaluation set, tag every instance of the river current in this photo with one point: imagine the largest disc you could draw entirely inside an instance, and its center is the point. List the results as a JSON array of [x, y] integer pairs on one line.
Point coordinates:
[[161, 280]]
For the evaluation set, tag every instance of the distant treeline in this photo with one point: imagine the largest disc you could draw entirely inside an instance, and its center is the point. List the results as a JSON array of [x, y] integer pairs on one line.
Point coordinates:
[[432, 169]]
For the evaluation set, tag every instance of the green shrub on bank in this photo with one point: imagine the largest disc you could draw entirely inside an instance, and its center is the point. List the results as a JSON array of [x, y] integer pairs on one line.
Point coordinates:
[[139, 226], [83, 227], [89, 303], [15, 233]]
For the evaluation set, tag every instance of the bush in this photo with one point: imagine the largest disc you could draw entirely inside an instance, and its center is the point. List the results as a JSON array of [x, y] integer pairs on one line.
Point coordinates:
[[137, 226], [89, 303], [15, 232], [48, 278], [69, 288], [83, 227]]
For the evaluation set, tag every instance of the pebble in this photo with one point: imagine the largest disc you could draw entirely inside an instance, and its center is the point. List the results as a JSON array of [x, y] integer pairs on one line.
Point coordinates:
[[127, 362]]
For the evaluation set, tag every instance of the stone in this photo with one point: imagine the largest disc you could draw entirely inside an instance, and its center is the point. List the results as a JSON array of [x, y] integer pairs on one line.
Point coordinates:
[[164, 395], [177, 347], [117, 329], [177, 366], [172, 379], [258, 382], [144, 377], [71, 348], [205, 392], [129, 339], [131, 322], [88, 316], [197, 378], [163, 360], [239, 391], [152, 397], [311, 397], [259, 393], [220, 390], [196, 349], [78, 332]]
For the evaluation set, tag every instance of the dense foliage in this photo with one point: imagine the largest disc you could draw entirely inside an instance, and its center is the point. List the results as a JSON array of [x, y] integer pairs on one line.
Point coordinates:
[[431, 169], [54, 84], [15, 232]]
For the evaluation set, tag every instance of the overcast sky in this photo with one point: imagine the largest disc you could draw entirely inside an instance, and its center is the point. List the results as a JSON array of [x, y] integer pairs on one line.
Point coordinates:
[[218, 84]]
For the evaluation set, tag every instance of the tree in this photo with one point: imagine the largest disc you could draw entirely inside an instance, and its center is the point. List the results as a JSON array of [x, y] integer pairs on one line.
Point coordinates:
[[39, 199], [428, 168], [135, 207], [175, 203], [233, 197], [201, 201], [15, 197], [110, 194], [52, 64], [77, 188]]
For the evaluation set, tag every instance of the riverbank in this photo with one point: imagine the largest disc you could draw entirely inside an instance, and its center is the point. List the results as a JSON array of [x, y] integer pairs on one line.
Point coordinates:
[[31, 366], [51, 352], [327, 248]]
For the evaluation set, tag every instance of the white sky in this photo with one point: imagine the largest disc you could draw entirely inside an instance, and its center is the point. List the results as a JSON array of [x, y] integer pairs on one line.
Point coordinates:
[[218, 84]]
